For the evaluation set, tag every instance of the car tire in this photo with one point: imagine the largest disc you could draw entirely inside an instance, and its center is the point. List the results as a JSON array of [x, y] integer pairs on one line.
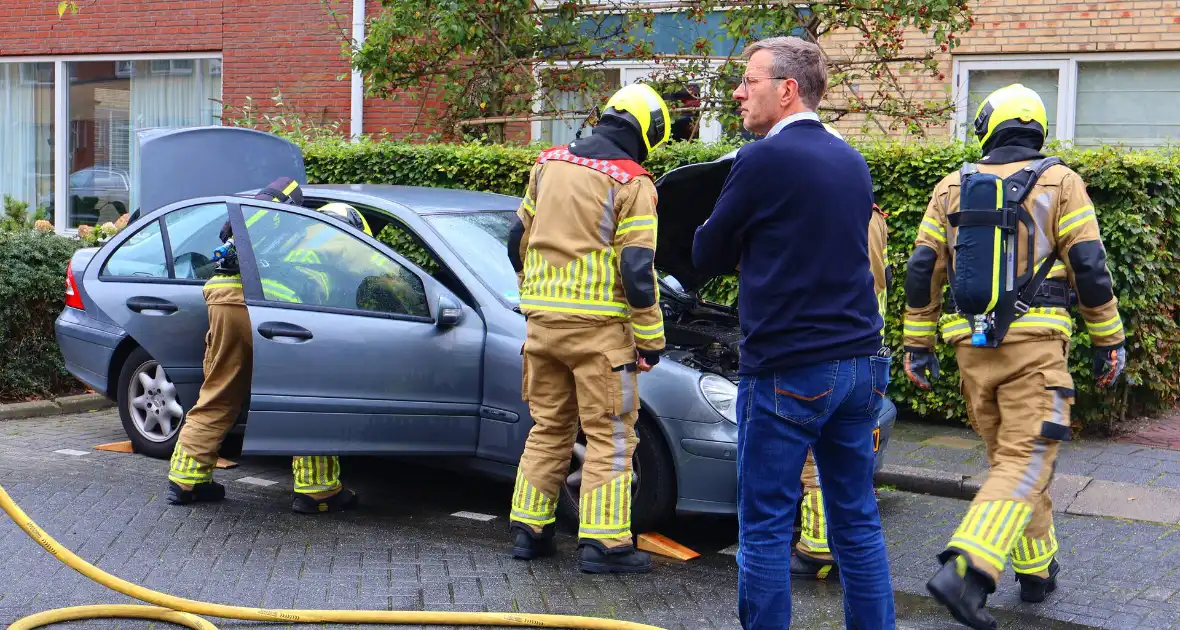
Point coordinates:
[[156, 446], [654, 499]]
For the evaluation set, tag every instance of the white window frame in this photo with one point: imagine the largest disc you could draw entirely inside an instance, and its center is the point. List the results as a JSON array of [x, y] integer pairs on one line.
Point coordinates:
[[630, 71], [61, 116], [1065, 63]]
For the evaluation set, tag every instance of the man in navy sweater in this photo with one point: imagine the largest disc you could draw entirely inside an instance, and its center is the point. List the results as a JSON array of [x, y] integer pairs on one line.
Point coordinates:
[[794, 213]]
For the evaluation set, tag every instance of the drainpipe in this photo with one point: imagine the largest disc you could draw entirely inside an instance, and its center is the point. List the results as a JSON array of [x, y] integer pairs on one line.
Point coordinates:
[[358, 85]]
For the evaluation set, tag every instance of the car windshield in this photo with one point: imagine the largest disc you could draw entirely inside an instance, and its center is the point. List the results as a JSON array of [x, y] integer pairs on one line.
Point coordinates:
[[481, 240]]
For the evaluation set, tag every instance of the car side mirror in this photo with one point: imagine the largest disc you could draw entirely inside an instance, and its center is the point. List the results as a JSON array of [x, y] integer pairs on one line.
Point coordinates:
[[449, 313]]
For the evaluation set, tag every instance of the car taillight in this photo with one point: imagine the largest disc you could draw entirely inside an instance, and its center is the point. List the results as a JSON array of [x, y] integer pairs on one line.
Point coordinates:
[[73, 298]]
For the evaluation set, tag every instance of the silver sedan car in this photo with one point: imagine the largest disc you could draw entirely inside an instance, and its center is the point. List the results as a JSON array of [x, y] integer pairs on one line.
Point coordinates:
[[428, 368]]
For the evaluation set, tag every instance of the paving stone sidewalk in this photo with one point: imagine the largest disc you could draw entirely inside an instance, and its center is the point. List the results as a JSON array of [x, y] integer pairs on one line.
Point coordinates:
[[408, 549], [1093, 477]]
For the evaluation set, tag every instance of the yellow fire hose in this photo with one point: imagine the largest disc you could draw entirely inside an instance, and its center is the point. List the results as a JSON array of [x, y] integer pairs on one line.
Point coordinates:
[[184, 612]]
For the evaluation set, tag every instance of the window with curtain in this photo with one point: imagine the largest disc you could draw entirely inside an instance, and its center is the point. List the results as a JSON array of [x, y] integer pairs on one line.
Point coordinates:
[[1132, 103], [26, 134], [109, 102]]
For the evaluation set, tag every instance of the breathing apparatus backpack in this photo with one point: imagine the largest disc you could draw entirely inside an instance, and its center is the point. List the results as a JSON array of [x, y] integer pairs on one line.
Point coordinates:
[[984, 286]]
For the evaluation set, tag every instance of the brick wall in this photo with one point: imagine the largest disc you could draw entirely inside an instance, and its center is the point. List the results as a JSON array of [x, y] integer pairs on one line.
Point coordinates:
[[1030, 26], [292, 45]]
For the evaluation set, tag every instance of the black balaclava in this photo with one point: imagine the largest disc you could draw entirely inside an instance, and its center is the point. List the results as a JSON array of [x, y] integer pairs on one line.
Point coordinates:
[[1015, 144], [613, 139]]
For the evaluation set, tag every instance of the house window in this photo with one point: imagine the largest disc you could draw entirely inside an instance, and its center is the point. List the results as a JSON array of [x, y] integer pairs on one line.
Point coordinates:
[[108, 103], [26, 135], [1132, 100], [686, 125], [1134, 103]]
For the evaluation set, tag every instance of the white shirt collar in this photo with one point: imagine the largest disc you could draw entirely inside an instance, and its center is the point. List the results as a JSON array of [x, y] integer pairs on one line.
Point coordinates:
[[790, 119]]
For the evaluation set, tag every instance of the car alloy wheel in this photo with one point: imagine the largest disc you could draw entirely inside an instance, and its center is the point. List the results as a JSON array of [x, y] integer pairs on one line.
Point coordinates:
[[154, 407]]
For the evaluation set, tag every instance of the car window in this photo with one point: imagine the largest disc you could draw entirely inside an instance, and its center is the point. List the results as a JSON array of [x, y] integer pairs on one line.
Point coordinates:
[[194, 233], [400, 239], [141, 256], [308, 261]]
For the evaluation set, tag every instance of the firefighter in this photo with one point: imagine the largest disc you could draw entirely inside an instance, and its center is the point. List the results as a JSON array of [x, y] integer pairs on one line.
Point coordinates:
[[1016, 237], [584, 249], [813, 557], [228, 368]]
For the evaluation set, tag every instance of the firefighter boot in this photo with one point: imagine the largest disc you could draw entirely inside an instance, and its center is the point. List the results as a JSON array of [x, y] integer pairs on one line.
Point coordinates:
[[963, 590], [804, 566], [598, 558], [344, 500], [1034, 588], [206, 491], [529, 544]]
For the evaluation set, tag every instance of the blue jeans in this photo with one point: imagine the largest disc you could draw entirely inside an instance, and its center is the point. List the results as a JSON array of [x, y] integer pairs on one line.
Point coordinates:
[[830, 407]]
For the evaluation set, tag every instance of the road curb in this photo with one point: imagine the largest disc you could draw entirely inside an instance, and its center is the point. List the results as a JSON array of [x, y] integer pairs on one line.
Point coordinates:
[[928, 481], [64, 404]]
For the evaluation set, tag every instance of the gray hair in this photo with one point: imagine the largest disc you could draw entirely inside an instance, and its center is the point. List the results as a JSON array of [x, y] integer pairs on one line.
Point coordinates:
[[797, 59]]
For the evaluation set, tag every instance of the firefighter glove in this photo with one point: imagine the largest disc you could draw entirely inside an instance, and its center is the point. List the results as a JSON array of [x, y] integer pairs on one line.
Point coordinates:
[[1108, 364], [919, 362], [651, 356]]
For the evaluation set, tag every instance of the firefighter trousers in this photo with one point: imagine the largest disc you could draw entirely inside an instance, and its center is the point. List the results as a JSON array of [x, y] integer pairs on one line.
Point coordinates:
[[228, 365], [587, 374], [813, 539], [1018, 400]]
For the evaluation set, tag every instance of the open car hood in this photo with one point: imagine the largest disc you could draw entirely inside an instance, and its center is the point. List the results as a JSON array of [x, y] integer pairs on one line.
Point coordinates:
[[686, 198], [176, 164]]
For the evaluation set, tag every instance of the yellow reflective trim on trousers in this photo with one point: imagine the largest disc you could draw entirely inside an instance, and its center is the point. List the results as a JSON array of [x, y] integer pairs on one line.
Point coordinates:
[[1033, 556], [315, 473], [530, 505], [634, 224], [815, 531], [187, 470], [991, 529], [934, 229], [1072, 220], [1108, 327], [605, 512]]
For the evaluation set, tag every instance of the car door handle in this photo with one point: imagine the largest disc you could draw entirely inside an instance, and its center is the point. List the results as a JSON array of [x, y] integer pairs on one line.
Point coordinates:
[[142, 303], [270, 330]]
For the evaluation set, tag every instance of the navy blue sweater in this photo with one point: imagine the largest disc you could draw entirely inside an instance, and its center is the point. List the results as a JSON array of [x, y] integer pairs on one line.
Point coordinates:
[[795, 213]]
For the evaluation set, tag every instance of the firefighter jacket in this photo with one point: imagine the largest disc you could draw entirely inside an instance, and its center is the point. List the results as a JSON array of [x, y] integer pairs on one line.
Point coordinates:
[[1065, 223], [882, 274], [587, 252]]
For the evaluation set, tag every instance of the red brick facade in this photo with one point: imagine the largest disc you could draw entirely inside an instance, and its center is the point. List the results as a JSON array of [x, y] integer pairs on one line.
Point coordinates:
[[292, 45], [1004, 27]]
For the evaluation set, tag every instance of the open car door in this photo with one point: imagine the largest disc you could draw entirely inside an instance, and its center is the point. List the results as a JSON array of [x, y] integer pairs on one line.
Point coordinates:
[[355, 351]]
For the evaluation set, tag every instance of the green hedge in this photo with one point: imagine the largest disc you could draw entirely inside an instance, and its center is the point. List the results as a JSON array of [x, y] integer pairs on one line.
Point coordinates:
[[1136, 195], [32, 285]]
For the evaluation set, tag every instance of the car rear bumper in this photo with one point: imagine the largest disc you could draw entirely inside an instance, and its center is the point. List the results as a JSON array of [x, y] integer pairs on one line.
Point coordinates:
[[706, 461], [87, 346]]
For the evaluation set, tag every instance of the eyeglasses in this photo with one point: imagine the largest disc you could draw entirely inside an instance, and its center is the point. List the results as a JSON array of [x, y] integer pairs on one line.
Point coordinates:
[[746, 80]]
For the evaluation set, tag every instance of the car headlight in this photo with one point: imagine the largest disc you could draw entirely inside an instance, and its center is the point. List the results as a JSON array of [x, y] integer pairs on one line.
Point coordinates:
[[721, 394]]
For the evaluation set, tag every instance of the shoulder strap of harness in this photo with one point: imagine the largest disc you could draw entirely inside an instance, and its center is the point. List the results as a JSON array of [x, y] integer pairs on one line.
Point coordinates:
[[621, 171], [1016, 187]]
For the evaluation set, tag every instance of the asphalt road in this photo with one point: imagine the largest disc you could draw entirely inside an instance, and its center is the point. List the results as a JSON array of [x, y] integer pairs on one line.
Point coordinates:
[[436, 540]]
